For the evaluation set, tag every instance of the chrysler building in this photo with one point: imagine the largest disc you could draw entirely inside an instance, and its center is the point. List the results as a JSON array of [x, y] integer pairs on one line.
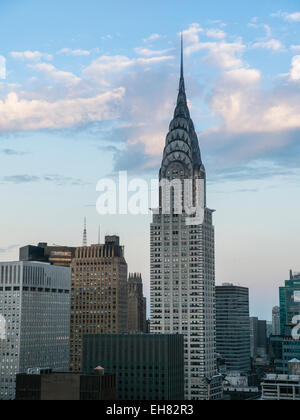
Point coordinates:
[[183, 256]]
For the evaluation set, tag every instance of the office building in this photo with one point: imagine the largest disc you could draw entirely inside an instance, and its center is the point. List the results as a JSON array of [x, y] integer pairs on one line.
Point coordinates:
[[147, 366], [289, 297], [258, 339], [283, 350], [281, 388], [60, 386], [285, 347], [35, 303], [55, 255], [233, 327], [276, 320], [183, 257], [136, 311], [98, 294]]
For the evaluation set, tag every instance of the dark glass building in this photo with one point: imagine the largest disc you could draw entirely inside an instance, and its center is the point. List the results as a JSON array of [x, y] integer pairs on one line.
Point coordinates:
[[48, 386], [289, 297], [233, 327], [147, 367]]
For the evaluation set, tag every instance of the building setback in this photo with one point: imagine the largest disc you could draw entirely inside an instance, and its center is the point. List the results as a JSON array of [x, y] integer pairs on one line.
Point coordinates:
[[98, 294], [41, 386], [147, 366], [183, 257], [136, 313], [35, 304], [233, 327]]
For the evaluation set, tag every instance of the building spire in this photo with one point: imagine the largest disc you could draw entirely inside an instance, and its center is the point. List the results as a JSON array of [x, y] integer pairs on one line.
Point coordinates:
[[84, 240], [181, 83], [181, 68]]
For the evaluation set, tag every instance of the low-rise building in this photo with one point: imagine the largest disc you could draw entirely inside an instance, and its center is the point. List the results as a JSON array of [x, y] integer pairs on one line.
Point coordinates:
[[52, 386], [281, 387]]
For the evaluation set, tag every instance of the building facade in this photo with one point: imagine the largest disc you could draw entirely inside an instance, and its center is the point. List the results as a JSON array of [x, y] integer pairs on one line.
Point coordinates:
[[136, 310], [281, 388], [35, 303], [233, 327], [183, 257], [283, 350], [60, 256], [61, 386], [98, 294], [276, 320], [147, 366], [289, 297], [258, 338]]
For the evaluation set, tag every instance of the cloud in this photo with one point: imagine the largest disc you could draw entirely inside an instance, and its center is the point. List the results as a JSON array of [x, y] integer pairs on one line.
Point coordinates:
[[191, 35], [75, 53], [243, 107], [11, 152], [255, 170], [288, 17], [105, 66], [134, 157], [153, 37], [61, 180], [150, 53], [9, 248], [222, 55], [216, 33], [20, 179], [56, 179], [54, 75], [272, 44], [294, 75], [31, 56], [20, 114], [295, 48]]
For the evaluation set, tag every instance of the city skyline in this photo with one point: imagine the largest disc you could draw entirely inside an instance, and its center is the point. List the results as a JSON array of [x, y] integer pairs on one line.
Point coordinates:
[[120, 84]]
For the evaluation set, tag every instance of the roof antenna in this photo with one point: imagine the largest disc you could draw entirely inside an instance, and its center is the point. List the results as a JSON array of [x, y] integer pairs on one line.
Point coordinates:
[[84, 241], [99, 238]]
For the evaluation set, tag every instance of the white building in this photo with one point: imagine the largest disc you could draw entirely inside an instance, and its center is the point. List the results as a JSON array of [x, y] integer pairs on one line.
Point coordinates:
[[183, 260], [35, 309], [281, 387]]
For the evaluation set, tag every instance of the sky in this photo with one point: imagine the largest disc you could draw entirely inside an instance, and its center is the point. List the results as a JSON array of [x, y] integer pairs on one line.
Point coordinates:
[[88, 89]]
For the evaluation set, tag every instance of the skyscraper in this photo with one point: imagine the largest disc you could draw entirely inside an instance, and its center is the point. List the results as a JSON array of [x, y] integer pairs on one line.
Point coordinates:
[[35, 303], [136, 312], [183, 258], [258, 338], [276, 320], [98, 294], [284, 345], [289, 296], [233, 327]]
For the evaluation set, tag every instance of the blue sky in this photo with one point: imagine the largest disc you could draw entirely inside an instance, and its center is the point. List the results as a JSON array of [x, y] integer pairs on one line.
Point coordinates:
[[90, 89]]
